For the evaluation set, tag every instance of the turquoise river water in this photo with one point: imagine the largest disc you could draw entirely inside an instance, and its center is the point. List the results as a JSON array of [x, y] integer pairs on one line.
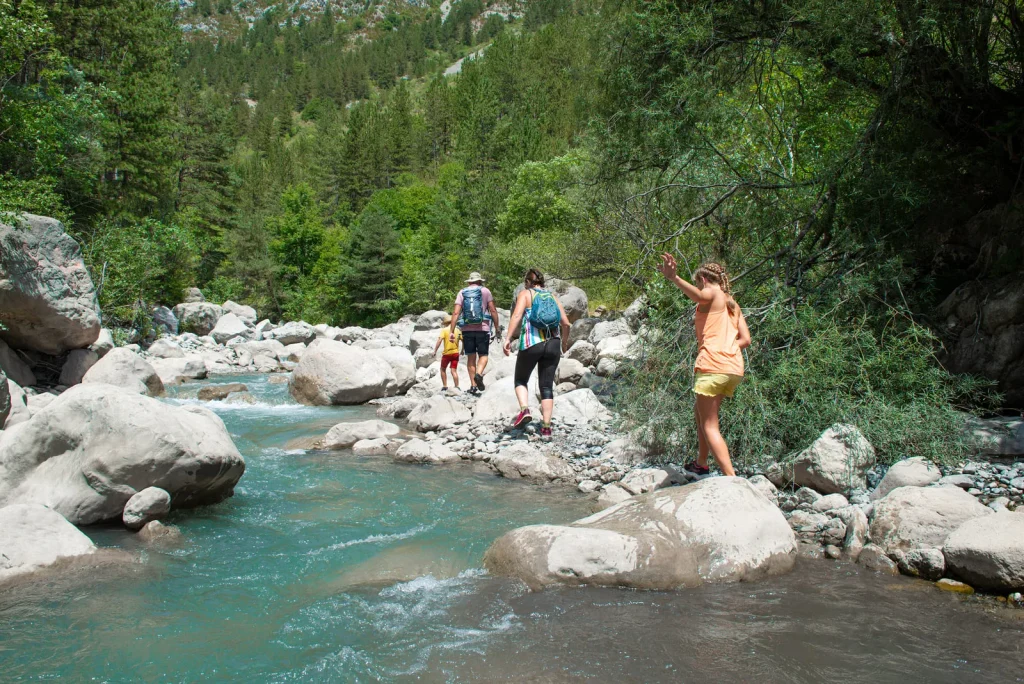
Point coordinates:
[[328, 568]]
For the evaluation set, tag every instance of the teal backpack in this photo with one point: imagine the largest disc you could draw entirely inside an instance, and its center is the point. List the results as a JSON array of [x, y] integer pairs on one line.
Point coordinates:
[[544, 312]]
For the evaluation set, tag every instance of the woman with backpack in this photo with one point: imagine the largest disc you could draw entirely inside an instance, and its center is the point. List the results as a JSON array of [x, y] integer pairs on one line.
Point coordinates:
[[543, 336]]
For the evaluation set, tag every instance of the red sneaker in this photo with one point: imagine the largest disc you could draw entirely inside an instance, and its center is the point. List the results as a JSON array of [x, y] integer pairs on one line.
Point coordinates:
[[545, 434], [522, 419]]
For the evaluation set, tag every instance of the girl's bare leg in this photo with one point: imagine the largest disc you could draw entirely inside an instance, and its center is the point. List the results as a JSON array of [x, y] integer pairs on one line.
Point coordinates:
[[455, 377], [702, 441], [522, 394], [547, 406], [708, 408]]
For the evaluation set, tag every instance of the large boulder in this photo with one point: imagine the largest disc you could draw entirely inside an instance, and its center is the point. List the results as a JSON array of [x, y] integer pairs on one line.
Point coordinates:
[[146, 506], [616, 348], [176, 371], [420, 451], [921, 517], [837, 461], [165, 321], [333, 372], [193, 295], [124, 368], [14, 367], [524, 461], [573, 299], [33, 536], [718, 530], [581, 329], [988, 552], [910, 472], [93, 447], [437, 413], [47, 300], [499, 400], [166, 348], [77, 364], [344, 435], [569, 370], [402, 364], [579, 406], [423, 339], [247, 314], [291, 333], [199, 318], [229, 326], [584, 352], [430, 320], [606, 329]]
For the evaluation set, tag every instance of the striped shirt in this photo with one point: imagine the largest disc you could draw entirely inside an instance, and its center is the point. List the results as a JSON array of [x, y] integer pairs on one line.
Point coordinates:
[[531, 335]]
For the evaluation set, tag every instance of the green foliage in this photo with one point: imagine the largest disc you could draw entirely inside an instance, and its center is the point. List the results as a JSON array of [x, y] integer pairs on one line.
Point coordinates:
[[372, 267]]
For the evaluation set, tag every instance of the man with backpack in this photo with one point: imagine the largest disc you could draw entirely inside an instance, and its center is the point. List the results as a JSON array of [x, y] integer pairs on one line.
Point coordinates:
[[476, 315], [544, 336]]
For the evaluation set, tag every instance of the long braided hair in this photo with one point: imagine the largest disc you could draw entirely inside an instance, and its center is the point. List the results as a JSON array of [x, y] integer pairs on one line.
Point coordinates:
[[715, 273]]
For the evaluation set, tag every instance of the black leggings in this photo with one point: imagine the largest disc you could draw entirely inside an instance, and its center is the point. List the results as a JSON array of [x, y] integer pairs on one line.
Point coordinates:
[[543, 355]]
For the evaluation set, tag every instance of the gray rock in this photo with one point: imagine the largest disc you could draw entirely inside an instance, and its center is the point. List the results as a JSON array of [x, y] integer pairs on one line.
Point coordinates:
[[927, 564], [403, 366], [420, 451], [95, 445], [589, 486], [921, 517], [764, 485], [635, 312], [610, 495], [123, 368], [437, 413], [569, 370], [579, 406], [164, 320], [77, 364], [218, 392], [522, 460], [18, 410], [806, 495], [166, 348], [156, 532], [856, 532], [292, 333], [33, 537], [607, 368], [718, 530], [606, 329], [47, 300], [581, 329], [333, 372], [910, 472], [574, 302], [835, 463], [430, 320], [246, 314], [873, 558], [344, 435], [988, 551], [103, 343], [5, 400], [14, 367], [145, 506], [230, 326], [584, 352], [197, 317], [625, 451], [372, 447], [830, 502], [193, 295], [962, 481], [643, 480], [617, 348]]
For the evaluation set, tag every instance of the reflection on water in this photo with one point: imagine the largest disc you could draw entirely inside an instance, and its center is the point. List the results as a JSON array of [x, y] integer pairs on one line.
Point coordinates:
[[325, 568]]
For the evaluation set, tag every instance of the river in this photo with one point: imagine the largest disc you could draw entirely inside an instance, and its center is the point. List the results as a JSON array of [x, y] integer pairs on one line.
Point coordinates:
[[328, 568]]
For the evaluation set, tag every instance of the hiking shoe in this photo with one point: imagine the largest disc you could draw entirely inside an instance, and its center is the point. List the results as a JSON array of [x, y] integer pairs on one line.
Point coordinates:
[[522, 419], [545, 434], [479, 380], [694, 469], [473, 390]]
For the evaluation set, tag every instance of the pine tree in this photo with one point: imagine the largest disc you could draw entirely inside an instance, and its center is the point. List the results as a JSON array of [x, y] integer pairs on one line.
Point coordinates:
[[372, 268]]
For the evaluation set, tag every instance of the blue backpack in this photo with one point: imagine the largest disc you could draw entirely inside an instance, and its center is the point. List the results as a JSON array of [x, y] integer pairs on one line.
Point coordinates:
[[544, 312], [472, 306]]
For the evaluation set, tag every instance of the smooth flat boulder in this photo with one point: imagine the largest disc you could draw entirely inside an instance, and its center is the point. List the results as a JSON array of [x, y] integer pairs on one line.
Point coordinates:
[[145, 506], [403, 365], [718, 530], [921, 517], [93, 447], [499, 401], [219, 392], [437, 413], [344, 435], [836, 462], [292, 333], [47, 299], [76, 365], [987, 552], [199, 318], [33, 537], [246, 314], [910, 472], [176, 371], [524, 461], [229, 326], [332, 372], [421, 451], [124, 368], [579, 406]]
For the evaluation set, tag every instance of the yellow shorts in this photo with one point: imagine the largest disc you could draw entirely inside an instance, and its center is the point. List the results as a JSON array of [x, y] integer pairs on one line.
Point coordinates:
[[715, 384]]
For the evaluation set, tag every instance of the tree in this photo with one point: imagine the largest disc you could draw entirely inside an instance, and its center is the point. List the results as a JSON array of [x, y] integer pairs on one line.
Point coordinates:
[[297, 235], [372, 268]]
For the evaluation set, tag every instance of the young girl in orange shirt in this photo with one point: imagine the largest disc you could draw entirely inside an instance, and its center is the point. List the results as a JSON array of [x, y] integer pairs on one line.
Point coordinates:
[[722, 335]]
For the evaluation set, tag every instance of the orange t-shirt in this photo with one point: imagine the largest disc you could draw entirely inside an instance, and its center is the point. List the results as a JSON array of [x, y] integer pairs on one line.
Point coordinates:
[[718, 347]]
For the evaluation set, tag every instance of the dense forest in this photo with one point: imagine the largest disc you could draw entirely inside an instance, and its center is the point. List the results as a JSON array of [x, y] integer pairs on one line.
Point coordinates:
[[325, 166]]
